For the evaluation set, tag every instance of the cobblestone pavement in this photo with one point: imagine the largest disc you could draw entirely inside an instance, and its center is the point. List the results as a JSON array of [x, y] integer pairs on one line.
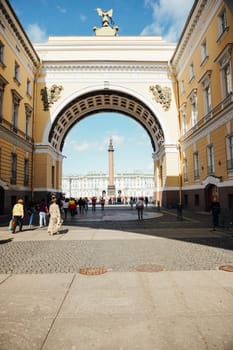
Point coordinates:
[[186, 245], [118, 255]]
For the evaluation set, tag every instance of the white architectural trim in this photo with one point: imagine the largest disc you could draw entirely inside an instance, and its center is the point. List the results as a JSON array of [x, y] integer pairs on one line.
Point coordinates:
[[47, 149], [95, 88]]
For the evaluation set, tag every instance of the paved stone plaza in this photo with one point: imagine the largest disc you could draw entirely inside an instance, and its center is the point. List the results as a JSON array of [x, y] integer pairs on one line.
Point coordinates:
[[162, 288]]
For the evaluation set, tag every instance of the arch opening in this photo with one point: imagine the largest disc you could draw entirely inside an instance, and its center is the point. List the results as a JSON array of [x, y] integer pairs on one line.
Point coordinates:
[[105, 101]]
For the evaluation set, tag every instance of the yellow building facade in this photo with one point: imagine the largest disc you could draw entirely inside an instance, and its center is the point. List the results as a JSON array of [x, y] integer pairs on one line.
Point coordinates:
[[19, 65], [46, 88], [202, 66]]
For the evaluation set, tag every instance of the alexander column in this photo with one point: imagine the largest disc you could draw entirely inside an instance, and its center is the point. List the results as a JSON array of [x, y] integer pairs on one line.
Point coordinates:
[[111, 185]]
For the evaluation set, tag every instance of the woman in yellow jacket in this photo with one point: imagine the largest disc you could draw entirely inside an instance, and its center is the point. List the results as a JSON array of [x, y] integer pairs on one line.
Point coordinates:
[[18, 215]]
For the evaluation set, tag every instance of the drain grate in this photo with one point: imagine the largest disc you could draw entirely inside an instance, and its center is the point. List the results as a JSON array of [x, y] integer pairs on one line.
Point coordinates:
[[228, 268], [93, 270], [149, 268]]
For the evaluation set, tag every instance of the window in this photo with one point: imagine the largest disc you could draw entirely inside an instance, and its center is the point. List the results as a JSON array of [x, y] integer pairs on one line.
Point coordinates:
[[28, 112], [184, 118], [193, 103], [53, 176], [3, 83], [13, 168], [207, 100], [26, 172], [196, 166], [2, 47], [194, 113], [205, 82], [203, 51], [15, 108], [224, 62], [226, 76], [230, 152], [28, 92], [16, 73], [185, 170], [191, 71], [210, 159], [182, 87], [222, 22]]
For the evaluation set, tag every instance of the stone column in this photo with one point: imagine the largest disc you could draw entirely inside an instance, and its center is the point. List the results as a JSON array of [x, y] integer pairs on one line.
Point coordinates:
[[111, 185]]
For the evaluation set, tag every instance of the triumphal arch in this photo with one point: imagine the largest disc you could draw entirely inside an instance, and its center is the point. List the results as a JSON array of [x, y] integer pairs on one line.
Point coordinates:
[[83, 75]]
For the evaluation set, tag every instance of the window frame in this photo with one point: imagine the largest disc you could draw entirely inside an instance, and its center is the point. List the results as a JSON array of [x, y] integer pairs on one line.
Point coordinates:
[[196, 166], [13, 168], [210, 159]]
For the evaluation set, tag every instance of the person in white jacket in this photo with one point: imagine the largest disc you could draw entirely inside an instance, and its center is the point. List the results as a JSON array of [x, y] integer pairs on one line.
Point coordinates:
[[18, 215]]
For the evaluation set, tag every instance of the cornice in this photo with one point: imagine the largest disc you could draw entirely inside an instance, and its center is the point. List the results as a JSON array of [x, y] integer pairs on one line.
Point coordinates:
[[47, 149], [191, 24], [13, 22], [103, 67], [223, 118], [15, 140]]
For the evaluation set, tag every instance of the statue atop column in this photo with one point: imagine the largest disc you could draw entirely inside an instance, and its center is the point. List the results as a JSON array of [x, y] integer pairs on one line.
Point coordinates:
[[106, 29]]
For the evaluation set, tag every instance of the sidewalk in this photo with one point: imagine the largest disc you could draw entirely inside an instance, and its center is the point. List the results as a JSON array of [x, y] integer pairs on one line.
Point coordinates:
[[163, 310]]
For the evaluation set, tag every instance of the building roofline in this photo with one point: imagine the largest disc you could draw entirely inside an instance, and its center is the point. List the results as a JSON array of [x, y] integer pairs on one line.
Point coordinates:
[[22, 39]]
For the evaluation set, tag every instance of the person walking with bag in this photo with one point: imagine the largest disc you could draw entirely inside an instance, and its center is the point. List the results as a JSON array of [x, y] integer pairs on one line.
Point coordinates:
[[18, 215]]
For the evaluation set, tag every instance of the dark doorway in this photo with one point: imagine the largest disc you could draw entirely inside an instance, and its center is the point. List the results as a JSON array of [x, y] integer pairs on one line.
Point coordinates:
[[210, 191], [2, 200]]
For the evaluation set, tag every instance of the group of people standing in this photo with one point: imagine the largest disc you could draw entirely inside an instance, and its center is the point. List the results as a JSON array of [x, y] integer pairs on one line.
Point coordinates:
[[51, 211]]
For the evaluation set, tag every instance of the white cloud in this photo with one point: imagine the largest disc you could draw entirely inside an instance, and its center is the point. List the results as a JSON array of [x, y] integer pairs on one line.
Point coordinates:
[[83, 18], [117, 139], [61, 9], [84, 146], [36, 34], [98, 145], [169, 17]]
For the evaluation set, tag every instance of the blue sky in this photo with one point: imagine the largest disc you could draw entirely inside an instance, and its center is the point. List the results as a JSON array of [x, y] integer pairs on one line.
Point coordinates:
[[87, 143]]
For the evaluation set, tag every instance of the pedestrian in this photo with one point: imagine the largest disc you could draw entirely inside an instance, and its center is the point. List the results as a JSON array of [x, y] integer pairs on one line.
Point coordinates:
[[72, 207], [215, 209], [86, 204], [102, 202], [140, 208], [65, 205], [131, 202], [31, 212], [81, 205], [43, 212], [54, 217], [18, 215], [93, 202]]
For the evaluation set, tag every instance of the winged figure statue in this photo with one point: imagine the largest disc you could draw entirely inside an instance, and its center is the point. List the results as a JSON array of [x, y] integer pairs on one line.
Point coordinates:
[[106, 16]]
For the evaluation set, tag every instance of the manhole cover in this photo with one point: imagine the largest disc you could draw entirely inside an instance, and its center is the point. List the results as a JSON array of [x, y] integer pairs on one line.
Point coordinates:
[[228, 268], [91, 271], [149, 268]]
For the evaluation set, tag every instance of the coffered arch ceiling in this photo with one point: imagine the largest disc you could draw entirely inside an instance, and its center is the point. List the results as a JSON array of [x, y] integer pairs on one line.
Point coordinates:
[[105, 101]]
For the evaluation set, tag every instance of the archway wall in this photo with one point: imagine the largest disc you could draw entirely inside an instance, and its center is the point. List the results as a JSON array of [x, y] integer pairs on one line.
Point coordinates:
[[134, 71], [142, 100]]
